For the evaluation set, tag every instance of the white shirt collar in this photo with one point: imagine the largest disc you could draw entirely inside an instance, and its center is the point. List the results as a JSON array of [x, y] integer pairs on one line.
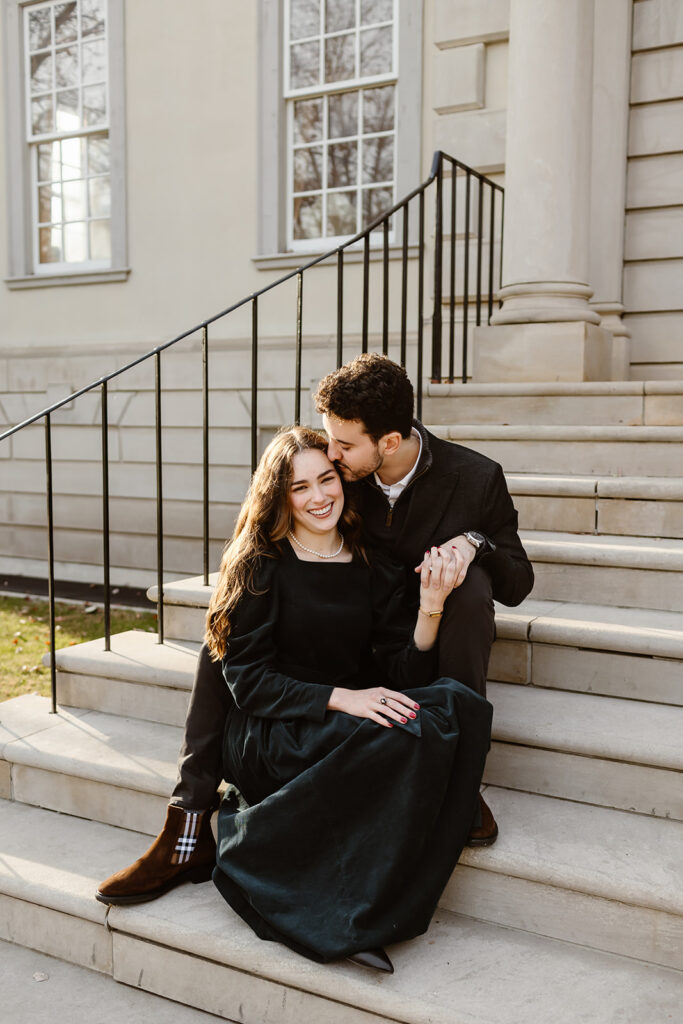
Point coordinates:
[[393, 491]]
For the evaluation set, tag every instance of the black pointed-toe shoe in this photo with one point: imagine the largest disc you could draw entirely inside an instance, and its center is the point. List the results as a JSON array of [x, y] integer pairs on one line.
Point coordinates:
[[376, 958]]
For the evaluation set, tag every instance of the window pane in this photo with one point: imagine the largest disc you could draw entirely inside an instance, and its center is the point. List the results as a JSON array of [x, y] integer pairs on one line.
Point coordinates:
[[41, 72], [374, 201], [50, 243], [308, 215], [378, 159], [67, 67], [308, 120], [66, 24], [39, 29], [92, 17], [41, 115], [98, 154], [340, 14], [341, 213], [304, 18], [99, 193], [375, 51], [372, 11], [74, 200], [48, 161], [378, 109], [100, 240], [342, 115], [342, 164], [67, 111], [308, 169], [94, 62], [49, 203], [340, 58], [73, 158], [75, 243], [94, 105], [304, 65]]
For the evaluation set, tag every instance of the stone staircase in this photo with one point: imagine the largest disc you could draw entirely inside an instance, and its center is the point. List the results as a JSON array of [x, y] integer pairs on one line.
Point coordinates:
[[574, 915]]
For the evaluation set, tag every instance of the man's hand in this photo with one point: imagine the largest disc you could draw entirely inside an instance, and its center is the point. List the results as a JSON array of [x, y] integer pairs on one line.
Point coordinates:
[[457, 550]]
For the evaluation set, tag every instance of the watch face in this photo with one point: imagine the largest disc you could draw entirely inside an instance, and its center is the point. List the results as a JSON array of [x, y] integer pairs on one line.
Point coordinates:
[[478, 538]]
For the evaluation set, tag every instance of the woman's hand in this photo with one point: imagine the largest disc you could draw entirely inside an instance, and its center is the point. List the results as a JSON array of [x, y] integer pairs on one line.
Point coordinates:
[[438, 574], [377, 703]]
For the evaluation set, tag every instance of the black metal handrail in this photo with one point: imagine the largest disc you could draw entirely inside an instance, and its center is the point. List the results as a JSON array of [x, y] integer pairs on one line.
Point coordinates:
[[440, 161]]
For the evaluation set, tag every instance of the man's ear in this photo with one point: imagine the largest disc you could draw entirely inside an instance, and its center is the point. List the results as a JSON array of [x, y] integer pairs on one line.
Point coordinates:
[[390, 443]]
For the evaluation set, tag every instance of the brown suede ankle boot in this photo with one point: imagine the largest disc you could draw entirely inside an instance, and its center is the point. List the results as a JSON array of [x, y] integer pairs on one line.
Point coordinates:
[[184, 851]]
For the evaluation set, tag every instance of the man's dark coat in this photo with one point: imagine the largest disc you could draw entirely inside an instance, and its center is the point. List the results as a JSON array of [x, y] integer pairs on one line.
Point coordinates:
[[454, 490]]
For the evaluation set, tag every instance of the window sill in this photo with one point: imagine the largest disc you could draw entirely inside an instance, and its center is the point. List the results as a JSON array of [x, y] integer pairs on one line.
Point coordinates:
[[294, 260], [56, 280]]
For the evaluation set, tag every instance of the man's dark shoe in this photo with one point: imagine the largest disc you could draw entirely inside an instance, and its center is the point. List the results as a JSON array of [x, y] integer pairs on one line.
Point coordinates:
[[184, 851], [486, 832]]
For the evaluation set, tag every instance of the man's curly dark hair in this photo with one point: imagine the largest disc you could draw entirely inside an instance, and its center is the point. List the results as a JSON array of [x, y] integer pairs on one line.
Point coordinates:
[[373, 389]]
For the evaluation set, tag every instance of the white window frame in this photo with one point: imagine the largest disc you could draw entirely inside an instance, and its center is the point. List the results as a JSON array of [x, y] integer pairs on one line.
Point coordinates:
[[274, 160], [322, 90], [24, 270]]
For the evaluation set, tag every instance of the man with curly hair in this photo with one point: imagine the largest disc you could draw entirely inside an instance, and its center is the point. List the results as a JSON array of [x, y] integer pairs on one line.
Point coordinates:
[[417, 494]]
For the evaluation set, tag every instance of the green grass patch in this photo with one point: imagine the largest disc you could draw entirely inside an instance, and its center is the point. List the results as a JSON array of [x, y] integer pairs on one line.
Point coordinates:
[[25, 637]]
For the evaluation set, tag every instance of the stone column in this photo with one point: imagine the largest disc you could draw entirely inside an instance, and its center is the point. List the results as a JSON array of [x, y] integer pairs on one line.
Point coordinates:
[[546, 329], [611, 84]]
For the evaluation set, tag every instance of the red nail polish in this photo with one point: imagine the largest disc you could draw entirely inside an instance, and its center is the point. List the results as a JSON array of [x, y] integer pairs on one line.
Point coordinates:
[[412, 714], [416, 706], [404, 720]]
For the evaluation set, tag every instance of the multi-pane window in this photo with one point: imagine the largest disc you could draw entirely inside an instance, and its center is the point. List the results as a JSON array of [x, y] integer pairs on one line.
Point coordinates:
[[340, 87], [68, 133]]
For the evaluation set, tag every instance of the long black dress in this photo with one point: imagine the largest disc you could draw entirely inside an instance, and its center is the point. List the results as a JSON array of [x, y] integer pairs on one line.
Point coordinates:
[[352, 829]]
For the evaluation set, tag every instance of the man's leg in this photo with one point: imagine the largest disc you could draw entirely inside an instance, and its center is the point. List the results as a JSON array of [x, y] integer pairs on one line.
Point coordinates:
[[185, 849], [466, 636]]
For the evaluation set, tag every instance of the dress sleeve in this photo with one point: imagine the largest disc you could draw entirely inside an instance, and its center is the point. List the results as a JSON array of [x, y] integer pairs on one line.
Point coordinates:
[[249, 665], [394, 651]]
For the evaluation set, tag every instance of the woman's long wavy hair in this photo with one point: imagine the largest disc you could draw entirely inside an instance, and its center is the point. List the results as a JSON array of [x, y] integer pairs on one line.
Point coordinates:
[[263, 522]]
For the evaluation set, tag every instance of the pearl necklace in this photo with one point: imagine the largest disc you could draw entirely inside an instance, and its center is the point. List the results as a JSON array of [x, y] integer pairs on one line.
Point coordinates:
[[317, 553]]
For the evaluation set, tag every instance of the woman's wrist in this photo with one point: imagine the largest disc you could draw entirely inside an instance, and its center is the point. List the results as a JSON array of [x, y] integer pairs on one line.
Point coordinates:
[[336, 698], [430, 613]]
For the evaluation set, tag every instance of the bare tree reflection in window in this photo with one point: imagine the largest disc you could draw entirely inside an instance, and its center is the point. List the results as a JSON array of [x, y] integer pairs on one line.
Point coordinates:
[[340, 58], [308, 120], [342, 164], [66, 23], [339, 15], [341, 213], [378, 109], [66, 74], [39, 29], [304, 68], [375, 200], [308, 169], [92, 17], [94, 61], [308, 215], [342, 115], [304, 18], [376, 57], [378, 159], [372, 11]]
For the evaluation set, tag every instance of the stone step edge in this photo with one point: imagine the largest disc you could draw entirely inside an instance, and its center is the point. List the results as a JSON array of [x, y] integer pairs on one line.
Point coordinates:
[[463, 432], [636, 488], [496, 859], [86, 906], [604, 550], [555, 388], [164, 926]]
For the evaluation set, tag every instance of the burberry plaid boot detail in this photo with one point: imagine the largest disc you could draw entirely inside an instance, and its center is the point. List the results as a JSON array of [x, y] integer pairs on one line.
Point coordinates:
[[184, 851]]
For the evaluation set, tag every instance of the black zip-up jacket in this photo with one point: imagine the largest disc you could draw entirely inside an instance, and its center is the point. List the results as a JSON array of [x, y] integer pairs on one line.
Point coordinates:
[[454, 490]]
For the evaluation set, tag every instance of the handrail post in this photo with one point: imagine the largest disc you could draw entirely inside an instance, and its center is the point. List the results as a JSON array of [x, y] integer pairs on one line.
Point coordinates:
[[160, 498], [254, 383], [420, 303], [205, 451], [451, 304], [492, 217], [299, 344], [480, 239], [404, 285], [438, 264], [340, 307], [385, 287], [105, 518], [466, 277], [51, 562], [366, 292]]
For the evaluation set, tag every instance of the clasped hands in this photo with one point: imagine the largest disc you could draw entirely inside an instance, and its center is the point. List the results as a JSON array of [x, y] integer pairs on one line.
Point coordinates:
[[456, 553]]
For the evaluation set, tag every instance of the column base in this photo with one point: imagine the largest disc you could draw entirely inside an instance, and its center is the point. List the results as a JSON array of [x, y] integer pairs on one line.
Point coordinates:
[[542, 352]]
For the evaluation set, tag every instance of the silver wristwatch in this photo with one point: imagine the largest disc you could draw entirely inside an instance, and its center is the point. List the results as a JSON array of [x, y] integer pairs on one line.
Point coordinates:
[[477, 540]]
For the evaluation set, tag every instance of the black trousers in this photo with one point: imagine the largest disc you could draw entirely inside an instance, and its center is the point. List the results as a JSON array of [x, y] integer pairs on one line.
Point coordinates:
[[466, 634]]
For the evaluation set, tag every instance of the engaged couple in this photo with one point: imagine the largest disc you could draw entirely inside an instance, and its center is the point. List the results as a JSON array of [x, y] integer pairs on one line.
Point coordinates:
[[341, 687]]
